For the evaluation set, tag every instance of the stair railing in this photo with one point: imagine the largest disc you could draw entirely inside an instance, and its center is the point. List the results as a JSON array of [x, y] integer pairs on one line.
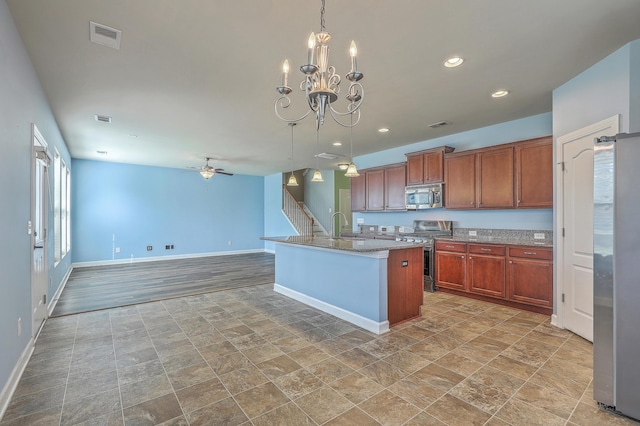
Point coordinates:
[[300, 220]]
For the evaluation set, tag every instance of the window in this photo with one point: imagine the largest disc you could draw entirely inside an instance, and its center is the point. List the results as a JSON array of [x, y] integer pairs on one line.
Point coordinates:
[[61, 208]]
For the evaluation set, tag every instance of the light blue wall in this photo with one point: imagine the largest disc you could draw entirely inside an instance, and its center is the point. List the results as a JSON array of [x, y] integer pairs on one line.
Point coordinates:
[[22, 102], [595, 94], [276, 223], [526, 128], [319, 196], [142, 205]]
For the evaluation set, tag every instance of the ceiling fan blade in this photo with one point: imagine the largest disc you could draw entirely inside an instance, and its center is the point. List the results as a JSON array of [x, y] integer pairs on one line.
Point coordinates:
[[222, 172]]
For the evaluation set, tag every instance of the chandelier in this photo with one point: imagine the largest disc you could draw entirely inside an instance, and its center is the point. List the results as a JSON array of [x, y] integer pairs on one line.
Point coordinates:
[[321, 84]]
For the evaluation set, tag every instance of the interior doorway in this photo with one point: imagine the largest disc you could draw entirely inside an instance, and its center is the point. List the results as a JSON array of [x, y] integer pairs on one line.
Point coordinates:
[[344, 205], [574, 219], [38, 227]]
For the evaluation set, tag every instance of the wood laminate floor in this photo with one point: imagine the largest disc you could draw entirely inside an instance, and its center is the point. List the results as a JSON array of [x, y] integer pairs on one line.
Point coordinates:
[[102, 287]]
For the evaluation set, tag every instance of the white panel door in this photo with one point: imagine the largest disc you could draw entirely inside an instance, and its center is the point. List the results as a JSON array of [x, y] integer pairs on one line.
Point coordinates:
[[578, 241], [575, 272], [40, 208]]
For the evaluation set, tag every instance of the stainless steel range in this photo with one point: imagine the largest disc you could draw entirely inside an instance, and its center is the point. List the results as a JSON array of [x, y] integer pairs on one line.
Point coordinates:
[[423, 231]]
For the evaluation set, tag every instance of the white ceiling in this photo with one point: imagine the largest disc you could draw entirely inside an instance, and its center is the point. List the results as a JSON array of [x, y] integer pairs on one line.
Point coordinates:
[[197, 78]]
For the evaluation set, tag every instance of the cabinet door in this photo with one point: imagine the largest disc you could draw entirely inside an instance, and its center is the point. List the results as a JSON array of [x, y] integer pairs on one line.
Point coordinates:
[[451, 270], [460, 182], [487, 275], [394, 183], [433, 167], [415, 170], [405, 284], [358, 194], [534, 174], [531, 282], [495, 178], [375, 190]]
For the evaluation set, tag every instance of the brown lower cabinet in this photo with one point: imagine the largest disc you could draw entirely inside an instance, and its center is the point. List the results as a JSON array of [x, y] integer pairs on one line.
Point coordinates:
[[404, 284], [518, 276]]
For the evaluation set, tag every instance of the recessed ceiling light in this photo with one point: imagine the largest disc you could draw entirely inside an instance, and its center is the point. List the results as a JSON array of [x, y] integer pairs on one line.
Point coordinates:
[[499, 93], [102, 118], [453, 62], [383, 130], [343, 166], [337, 143], [132, 136], [101, 152]]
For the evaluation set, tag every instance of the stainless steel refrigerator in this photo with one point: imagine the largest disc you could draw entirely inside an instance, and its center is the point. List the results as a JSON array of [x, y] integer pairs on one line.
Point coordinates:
[[616, 262]]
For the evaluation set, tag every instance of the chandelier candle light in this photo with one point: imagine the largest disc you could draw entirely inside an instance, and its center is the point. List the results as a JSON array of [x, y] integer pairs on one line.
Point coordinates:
[[321, 84]]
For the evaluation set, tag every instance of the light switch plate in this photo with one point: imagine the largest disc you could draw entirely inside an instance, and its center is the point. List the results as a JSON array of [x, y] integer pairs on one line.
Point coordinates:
[[360, 221], [538, 235], [473, 233]]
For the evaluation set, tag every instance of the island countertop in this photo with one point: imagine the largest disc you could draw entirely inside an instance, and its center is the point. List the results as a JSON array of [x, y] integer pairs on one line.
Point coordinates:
[[346, 244]]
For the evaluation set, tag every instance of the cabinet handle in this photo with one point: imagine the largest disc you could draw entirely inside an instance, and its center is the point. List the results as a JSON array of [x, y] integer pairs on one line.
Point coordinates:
[[450, 247], [470, 257], [530, 252], [511, 261], [471, 203], [485, 249], [462, 257]]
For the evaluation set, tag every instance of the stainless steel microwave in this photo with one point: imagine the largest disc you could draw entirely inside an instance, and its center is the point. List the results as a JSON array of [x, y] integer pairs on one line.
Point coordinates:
[[423, 196]]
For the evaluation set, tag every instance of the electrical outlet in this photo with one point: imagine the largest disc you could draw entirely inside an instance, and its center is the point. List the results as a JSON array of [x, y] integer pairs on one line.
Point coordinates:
[[167, 247], [149, 248], [473, 233], [171, 246], [19, 326], [117, 249], [229, 242], [538, 235]]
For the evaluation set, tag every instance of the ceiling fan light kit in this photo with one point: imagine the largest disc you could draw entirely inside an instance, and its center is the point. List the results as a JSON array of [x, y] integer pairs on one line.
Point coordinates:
[[207, 171]]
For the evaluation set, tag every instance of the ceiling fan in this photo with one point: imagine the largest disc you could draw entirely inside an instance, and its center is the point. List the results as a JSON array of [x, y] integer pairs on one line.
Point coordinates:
[[207, 171]]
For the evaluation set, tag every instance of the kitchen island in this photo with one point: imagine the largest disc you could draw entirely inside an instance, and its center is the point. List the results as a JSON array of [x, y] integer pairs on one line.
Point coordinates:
[[370, 283]]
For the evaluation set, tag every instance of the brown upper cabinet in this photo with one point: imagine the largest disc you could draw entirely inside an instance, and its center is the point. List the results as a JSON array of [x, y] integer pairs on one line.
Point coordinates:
[[426, 166], [358, 193], [460, 182], [379, 189], [375, 190], [394, 183], [534, 177], [505, 176]]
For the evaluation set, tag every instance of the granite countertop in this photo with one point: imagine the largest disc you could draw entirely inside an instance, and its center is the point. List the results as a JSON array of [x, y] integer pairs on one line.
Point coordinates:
[[497, 240], [347, 244]]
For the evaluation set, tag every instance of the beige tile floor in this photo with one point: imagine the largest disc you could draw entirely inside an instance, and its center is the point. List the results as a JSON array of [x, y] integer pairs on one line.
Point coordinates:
[[251, 356]]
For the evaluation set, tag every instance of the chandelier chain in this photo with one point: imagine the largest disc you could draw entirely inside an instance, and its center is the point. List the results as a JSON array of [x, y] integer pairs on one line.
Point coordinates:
[[322, 17]]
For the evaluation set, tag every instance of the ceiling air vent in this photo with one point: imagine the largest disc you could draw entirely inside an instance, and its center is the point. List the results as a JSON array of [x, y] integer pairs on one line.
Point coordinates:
[[327, 156], [439, 124], [102, 118], [106, 36]]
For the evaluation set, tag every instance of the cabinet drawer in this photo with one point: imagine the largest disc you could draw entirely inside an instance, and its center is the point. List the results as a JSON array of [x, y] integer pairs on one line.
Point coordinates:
[[493, 250], [543, 253], [450, 246]]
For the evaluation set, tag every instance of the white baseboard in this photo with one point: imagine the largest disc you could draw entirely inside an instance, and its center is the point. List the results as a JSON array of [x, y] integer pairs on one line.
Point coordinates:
[[157, 258], [360, 321], [14, 378], [554, 320]]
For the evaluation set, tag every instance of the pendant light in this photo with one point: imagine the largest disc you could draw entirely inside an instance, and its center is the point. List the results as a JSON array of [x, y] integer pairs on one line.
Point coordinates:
[[292, 179], [317, 176], [352, 171]]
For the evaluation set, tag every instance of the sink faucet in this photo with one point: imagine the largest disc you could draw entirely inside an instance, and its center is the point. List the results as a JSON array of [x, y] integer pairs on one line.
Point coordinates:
[[346, 222]]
